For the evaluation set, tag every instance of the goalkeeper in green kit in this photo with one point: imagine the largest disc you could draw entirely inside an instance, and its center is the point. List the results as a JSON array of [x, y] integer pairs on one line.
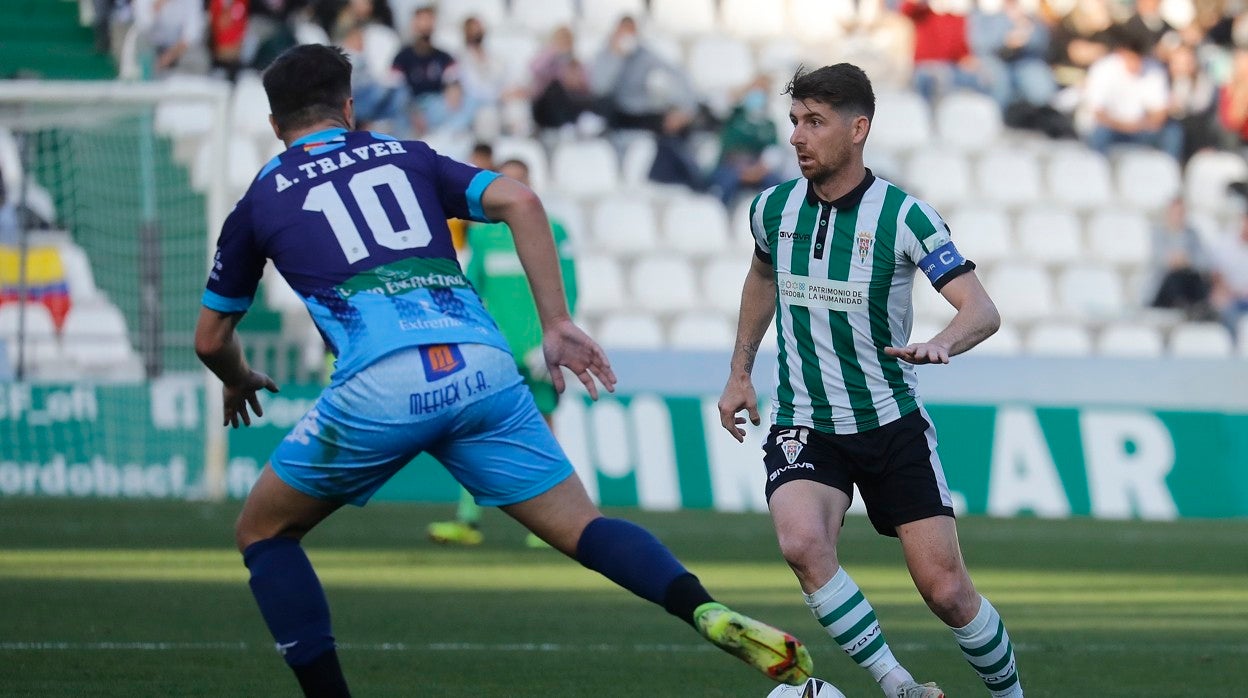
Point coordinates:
[[494, 269]]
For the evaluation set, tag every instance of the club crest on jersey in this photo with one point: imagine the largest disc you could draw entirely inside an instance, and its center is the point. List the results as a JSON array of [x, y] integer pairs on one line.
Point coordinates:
[[791, 448], [864, 244]]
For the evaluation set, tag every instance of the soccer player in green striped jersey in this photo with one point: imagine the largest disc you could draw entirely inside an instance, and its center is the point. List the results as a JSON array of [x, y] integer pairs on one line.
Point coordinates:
[[835, 259]]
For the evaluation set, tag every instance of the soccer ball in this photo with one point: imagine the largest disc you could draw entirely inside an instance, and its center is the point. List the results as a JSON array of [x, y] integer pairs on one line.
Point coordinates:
[[813, 688]]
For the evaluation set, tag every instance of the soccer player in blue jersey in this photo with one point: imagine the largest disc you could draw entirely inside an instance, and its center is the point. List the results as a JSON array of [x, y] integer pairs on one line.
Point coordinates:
[[356, 223]]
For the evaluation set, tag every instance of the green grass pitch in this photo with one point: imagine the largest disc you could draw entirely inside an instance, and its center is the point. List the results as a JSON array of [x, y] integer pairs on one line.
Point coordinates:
[[133, 599]]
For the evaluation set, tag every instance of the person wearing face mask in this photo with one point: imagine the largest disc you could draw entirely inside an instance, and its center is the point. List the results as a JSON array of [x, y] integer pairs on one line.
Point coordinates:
[[748, 156], [422, 64]]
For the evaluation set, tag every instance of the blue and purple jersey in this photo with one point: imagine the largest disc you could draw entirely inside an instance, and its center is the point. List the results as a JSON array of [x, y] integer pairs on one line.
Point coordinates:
[[355, 222]]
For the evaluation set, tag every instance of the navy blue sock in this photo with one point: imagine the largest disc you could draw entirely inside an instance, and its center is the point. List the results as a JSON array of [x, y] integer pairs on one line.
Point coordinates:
[[632, 557], [294, 607]]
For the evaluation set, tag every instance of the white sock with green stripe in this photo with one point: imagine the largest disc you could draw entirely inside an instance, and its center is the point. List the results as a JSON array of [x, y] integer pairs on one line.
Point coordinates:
[[986, 645], [844, 612]]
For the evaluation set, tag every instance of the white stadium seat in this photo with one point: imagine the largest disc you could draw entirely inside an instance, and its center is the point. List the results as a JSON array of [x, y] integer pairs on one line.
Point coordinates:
[[1007, 341], [1147, 179], [492, 13], [1129, 340], [600, 16], [719, 64], [982, 233], [1201, 340], [599, 285], [941, 177], [528, 151], [1080, 178], [721, 283], [902, 120], [1120, 237], [182, 119], [381, 45], [249, 108], [702, 330], [630, 331], [683, 18], [750, 19], [1091, 291], [1049, 235], [571, 215], [1207, 175], [586, 168], [663, 284], [968, 121], [1059, 339], [637, 159], [929, 305], [816, 21], [1009, 177], [624, 225], [1023, 292], [696, 226], [540, 16]]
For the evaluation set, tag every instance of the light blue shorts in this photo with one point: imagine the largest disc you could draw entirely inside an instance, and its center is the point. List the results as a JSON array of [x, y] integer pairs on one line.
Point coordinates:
[[464, 404]]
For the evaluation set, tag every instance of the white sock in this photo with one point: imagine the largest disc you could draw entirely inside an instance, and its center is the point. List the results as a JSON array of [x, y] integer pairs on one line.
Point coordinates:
[[987, 647], [844, 612]]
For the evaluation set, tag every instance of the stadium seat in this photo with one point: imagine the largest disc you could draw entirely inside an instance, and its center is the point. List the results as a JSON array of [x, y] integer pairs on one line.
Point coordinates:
[[1049, 235], [1121, 237], [696, 226], [663, 284], [982, 233], [630, 331], [1023, 292], [1207, 175], [721, 283], [381, 45], [1091, 291], [624, 226], [702, 330], [571, 215], [1006, 341], [750, 19], [541, 17], [528, 151], [968, 121], [601, 16], [1079, 178], [1009, 177], [1059, 339], [249, 108], [942, 177], [929, 305], [1201, 340], [683, 18], [638, 156], [719, 64], [492, 13], [183, 119], [586, 168], [1130, 340], [599, 285], [924, 330], [818, 21], [740, 235], [902, 120], [1147, 179]]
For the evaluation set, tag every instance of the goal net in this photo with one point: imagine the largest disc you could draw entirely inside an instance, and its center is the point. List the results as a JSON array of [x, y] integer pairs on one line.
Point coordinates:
[[112, 196]]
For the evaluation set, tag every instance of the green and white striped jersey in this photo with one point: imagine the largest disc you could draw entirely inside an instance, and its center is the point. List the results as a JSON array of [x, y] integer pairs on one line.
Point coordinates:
[[844, 272]]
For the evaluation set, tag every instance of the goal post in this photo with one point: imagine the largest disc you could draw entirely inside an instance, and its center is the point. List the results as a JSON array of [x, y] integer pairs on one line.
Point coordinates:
[[119, 190]]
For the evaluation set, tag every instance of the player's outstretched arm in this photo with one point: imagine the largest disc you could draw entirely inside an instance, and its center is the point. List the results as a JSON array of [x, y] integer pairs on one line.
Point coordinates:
[[976, 320], [758, 298], [218, 347]]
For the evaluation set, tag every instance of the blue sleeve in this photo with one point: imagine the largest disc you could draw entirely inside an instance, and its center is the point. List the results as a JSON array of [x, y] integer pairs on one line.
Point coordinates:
[[237, 265], [460, 187]]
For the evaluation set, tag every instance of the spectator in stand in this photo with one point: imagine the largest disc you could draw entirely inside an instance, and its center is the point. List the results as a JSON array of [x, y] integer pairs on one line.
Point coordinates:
[[228, 22], [1179, 265], [1127, 98], [423, 65], [1192, 99], [1233, 100], [1147, 25], [1078, 40], [174, 31], [1230, 276], [380, 102], [748, 157], [484, 75], [943, 61], [1011, 45], [560, 86], [641, 90]]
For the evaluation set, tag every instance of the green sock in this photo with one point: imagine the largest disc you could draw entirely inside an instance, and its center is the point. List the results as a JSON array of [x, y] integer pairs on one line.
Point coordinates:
[[468, 511]]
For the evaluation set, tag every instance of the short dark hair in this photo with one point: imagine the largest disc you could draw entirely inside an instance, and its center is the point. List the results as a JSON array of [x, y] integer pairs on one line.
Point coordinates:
[[843, 86], [307, 84]]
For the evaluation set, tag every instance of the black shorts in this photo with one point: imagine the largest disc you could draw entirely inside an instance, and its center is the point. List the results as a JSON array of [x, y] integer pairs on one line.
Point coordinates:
[[894, 466]]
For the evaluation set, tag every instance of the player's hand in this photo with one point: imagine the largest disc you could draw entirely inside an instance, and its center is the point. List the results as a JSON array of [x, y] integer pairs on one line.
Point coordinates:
[[565, 344], [920, 353], [239, 395], [738, 395]]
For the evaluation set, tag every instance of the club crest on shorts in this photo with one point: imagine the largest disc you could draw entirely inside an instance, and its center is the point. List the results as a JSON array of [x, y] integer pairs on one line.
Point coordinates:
[[791, 448], [864, 244]]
